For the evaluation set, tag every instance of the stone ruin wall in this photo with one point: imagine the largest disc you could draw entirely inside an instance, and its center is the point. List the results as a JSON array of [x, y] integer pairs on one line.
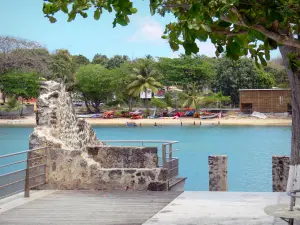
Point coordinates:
[[69, 170], [57, 125], [76, 159]]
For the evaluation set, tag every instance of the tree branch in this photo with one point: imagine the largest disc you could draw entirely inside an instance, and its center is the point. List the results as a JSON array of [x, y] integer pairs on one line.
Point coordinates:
[[229, 33], [279, 38], [282, 39]]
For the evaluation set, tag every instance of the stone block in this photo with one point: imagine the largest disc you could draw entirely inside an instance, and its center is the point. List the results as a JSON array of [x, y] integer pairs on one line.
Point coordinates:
[[280, 173], [218, 173], [124, 157]]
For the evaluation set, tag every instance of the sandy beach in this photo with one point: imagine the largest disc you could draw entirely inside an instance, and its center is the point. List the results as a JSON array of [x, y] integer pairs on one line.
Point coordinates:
[[234, 121]]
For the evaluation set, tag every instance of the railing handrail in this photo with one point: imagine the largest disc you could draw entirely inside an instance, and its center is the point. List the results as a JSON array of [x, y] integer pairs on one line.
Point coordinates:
[[27, 178], [22, 152], [145, 141]]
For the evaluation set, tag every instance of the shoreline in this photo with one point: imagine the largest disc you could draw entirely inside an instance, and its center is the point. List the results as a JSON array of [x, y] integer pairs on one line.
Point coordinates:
[[248, 121]]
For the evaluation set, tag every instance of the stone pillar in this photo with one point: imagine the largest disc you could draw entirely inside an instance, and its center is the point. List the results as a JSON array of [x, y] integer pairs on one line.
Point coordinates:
[[280, 173], [218, 173]]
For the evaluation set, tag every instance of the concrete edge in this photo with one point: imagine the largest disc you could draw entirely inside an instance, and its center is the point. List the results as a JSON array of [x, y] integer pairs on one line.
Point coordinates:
[[18, 199]]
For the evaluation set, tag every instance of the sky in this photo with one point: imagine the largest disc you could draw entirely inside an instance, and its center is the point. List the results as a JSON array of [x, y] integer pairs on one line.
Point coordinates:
[[88, 37]]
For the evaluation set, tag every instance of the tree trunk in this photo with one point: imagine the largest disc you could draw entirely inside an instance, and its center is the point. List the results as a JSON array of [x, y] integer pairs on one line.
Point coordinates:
[[294, 78], [86, 104], [96, 106], [3, 98], [146, 103], [130, 103], [21, 114]]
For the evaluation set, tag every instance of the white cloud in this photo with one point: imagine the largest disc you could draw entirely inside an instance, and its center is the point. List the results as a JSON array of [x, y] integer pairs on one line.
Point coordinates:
[[148, 30]]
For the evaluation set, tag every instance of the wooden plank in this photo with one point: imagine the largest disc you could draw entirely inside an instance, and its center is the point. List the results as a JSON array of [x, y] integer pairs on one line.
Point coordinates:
[[89, 207]]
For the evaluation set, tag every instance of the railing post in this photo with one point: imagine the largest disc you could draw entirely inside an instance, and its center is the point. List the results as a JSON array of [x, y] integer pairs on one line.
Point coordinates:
[[164, 156], [26, 189], [170, 152]]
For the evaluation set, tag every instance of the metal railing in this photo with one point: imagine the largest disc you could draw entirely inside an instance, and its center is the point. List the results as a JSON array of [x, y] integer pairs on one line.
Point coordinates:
[[18, 180], [167, 160]]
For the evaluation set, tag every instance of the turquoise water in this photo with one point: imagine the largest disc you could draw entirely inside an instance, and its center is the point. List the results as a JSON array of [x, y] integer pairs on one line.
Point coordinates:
[[249, 150]]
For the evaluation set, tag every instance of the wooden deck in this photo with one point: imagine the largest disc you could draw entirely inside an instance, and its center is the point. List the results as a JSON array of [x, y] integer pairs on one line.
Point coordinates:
[[88, 208]]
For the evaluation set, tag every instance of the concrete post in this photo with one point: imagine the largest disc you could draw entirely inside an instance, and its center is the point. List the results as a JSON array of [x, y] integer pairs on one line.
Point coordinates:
[[280, 173], [218, 173]]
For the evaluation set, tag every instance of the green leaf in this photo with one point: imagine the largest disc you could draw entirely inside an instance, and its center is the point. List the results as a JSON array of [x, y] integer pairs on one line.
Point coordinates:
[[206, 28], [122, 21], [133, 10], [152, 10], [256, 63], [83, 14], [64, 8], [109, 8], [52, 19], [267, 54], [220, 49], [256, 34], [262, 60], [46, 8], [234, 48], [72, 16], [241, 39], [202, 35], [224, 24], [233, 17], [272, 43], [97, 14], [190, 48], [174, 46]]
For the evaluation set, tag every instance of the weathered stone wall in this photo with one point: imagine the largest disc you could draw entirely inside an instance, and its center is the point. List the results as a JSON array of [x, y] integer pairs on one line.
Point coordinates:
[[280, 173], [57, 125], [124, 157], [77, 160], [70, 170], [218, 173]]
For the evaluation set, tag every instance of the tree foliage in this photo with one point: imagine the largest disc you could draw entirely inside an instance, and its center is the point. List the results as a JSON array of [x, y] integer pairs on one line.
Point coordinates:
[[233, 26], [216, 98], [63, 67], [158, 103], [121, 78], [279, 73], [100, 59], [116, 61], [95, 83], [191, 97], [20, 84], [186, 70], [144, 77], [242, 74], [23, 55], [12, 105], [80, 60]]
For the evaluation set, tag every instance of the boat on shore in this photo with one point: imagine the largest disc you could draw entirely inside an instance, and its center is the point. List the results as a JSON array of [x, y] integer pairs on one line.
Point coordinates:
[[208, 116]]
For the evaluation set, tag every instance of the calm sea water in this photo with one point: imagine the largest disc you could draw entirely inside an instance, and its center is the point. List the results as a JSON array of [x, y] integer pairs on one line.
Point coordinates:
[[249, 150]]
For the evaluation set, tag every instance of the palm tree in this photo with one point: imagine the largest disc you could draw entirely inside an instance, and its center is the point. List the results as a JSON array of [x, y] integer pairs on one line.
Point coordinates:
[[144, 78], [217, 98], [12, 105], [191, 97]]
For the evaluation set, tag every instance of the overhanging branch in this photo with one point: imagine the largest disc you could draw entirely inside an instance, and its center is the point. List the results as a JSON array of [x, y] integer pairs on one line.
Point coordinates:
[[282, 39]]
